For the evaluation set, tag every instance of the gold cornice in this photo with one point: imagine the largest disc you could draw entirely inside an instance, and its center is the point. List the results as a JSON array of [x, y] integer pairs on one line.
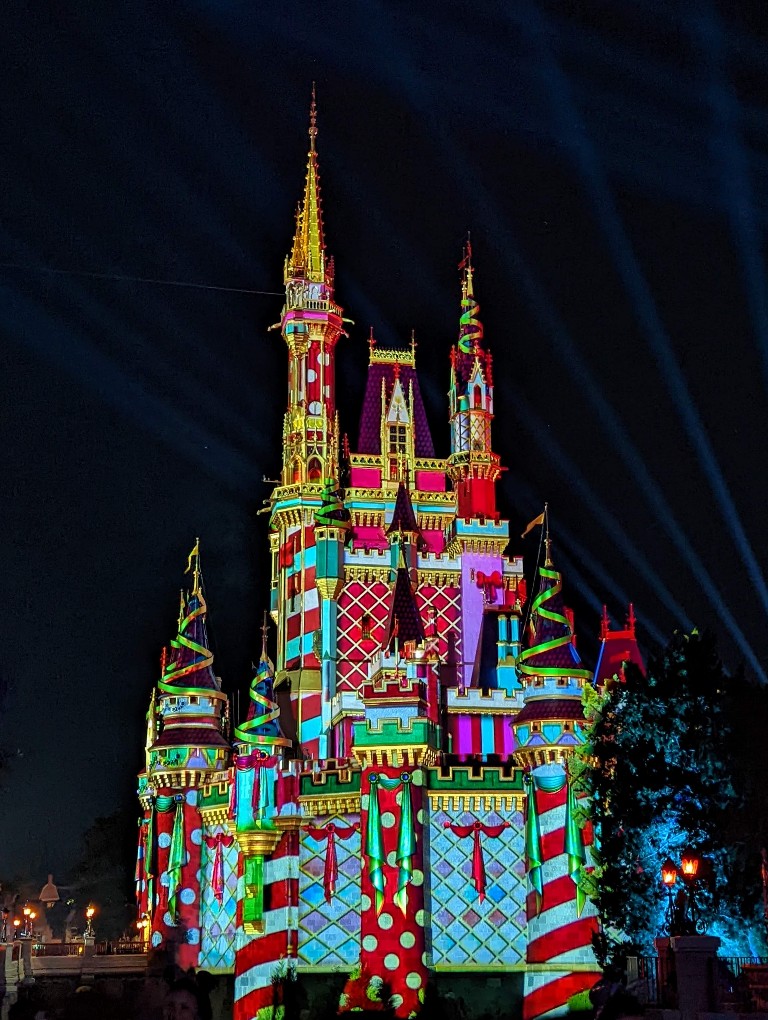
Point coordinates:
[[215, 814], [318, 805], [462, 800]]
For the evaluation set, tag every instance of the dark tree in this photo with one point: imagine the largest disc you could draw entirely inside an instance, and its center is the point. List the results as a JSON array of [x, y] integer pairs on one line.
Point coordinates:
[[104, 873], [668, 763]]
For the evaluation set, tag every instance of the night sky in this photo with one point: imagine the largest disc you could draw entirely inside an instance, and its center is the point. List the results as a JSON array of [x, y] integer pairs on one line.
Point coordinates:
[[609, 158]]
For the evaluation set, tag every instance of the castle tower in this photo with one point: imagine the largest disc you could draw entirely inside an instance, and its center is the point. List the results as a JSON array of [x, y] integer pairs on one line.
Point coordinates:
[[394, 743], [188, 717], [267, 871], [617, 648], [548, 727], [311, 325]]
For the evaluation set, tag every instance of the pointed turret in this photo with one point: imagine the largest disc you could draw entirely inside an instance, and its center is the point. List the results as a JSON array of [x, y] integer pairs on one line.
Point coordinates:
[[549, 724], [311, 325], [262, 722], [307, 258], [190, 703], [473, 466], [617, 648]]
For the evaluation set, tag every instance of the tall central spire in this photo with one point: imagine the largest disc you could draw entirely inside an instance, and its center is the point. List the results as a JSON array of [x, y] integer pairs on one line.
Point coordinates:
[[307, 259]]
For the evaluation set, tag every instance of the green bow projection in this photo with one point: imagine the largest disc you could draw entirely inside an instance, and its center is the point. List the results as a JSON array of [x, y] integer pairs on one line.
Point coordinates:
[[539, 608], [573, 846], [406, 840], [177, 854]]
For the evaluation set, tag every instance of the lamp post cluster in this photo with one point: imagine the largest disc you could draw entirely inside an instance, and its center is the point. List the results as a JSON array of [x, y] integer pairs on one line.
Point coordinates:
[[683, 915]]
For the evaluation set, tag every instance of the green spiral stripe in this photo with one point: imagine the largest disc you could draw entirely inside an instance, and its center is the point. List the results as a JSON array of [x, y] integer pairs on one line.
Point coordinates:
[[244, 732], [203, 655], [539, 607], [471, 327]]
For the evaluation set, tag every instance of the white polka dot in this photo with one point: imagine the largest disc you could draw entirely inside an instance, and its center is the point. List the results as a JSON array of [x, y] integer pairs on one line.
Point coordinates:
[[157, 938], [417, 778], [164, 880], [167, 919], [420, 816], [399, 798], [164, 840], [407, 940], [391, 961], [413, 980], [365, 902], [311, 375], [385, 921], [193, 936], [364, 801], [388, 820], [197, 836], [392, 858], [314, 407], [425, 960], [191, 797], [418, 877], [395, 1001], [421, 918], [370, 943], [187, 896]]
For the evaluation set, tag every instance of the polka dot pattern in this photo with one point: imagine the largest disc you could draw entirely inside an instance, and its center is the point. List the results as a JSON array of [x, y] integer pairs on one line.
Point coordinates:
[[197, 836], [164, 840], [167, 919], [191, 797], [392, 858], [421, 918], [388, 820], [407, 940], [418, 877], [187, 896], [193, 936], [370, 943], [385, 921], [413, 980], [391, 961], [365, 902]]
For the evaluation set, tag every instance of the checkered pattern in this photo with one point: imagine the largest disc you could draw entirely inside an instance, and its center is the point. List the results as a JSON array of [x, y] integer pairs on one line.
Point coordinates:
[[464, 930], [444, 603], [217, 950], [355, 600], [329, 933]]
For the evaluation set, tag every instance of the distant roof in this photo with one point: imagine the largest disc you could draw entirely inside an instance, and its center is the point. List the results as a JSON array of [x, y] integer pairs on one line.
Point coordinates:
[[541, 709], [190, 736], [617, 648], [381, 367], [403, 518], [404, 617]]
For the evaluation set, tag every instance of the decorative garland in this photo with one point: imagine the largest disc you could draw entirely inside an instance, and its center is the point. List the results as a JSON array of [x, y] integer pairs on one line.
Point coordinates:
[[331, 833], [478, 863], [216, 843], [540, 608], [471, 329], [263, 729], [177, 854], [406, 840]]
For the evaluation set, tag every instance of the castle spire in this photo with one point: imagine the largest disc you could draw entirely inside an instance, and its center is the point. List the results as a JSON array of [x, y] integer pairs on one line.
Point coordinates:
[[307, 259]]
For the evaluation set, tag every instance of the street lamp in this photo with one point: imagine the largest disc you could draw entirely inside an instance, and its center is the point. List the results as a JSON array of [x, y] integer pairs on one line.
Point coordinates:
[[89, 932], [27, 932], [683, 916], [143, 927], [49, 894], [16, 926]]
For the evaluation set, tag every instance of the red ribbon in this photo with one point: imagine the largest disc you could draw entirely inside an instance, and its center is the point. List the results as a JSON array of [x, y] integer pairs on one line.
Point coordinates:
[[478, 863], [217, 878], [331, 832]]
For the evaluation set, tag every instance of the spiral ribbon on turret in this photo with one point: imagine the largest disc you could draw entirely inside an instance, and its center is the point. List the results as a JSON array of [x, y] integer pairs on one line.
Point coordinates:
[[248, 731], [202, 656], [540, 608], [471, 329]]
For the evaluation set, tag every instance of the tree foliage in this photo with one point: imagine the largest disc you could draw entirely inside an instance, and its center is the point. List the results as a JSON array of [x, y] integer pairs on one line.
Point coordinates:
[[104, 873], [668, 762]]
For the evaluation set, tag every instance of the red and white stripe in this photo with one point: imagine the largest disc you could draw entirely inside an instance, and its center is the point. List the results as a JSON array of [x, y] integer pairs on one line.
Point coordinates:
[[259, 957], [557, 936]]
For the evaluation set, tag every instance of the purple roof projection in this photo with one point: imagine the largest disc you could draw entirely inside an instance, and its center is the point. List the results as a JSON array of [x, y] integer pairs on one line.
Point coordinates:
[[404, 619], [403, 518], [369, 440], [190, 736]]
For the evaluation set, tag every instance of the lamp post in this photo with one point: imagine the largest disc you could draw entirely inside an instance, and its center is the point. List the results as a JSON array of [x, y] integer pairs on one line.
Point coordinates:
[[16, 926], [89, 932], [143, 928], [683, 916], [4, 929]]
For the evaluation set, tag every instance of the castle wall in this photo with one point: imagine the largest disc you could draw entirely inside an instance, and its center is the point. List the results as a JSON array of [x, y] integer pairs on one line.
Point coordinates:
[[218, 917]]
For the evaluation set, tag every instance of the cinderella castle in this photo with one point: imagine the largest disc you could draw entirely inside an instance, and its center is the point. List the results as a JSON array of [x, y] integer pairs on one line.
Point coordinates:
[[396, 801]]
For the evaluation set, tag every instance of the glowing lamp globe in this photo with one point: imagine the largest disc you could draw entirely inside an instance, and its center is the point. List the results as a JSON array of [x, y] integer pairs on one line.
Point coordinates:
[[668, 873], [689, 863]]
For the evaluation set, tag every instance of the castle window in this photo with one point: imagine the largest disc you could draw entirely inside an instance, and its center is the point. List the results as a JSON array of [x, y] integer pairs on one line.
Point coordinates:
[[562, 681], [536, 727], [365, 627], [398, 438], [314, 470], [566, 727], [538, 681]]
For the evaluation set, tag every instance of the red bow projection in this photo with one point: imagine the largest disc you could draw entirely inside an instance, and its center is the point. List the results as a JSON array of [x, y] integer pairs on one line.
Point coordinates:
[[490, 583], [216, 843], [331, 832], [478, 864]]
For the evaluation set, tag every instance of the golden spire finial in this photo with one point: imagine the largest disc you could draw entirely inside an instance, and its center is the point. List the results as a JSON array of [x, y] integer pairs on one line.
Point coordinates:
[[264, 633], [193, 564], [313, 120], [182, 607]]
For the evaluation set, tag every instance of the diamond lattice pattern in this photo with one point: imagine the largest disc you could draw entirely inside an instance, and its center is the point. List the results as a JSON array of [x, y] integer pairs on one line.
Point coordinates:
[[217, 948], [329, 933], [464, 930]]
